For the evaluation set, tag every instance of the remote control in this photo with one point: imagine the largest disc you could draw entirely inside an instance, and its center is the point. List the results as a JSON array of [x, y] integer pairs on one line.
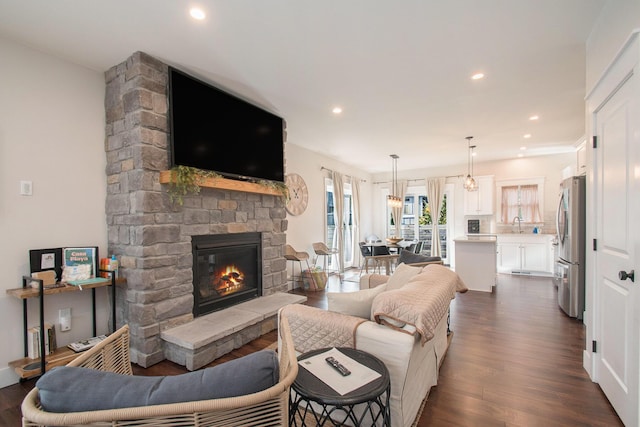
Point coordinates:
[[338, 366]]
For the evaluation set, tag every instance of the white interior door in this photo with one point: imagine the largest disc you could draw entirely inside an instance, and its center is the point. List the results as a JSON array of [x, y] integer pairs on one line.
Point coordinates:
[[617, 125]]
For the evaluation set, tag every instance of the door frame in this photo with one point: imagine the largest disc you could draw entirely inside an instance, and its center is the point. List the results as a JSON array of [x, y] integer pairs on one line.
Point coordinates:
[[625, 65]]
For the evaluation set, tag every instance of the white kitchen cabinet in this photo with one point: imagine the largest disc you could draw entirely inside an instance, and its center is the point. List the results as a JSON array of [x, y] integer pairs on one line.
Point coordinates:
[[476, 262], [525, 254], [480, 202], [535, 257], [509, 257]]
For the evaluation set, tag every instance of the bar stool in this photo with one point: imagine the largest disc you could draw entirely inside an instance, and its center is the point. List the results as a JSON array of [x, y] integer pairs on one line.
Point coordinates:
[[290, 254], [323, 250]]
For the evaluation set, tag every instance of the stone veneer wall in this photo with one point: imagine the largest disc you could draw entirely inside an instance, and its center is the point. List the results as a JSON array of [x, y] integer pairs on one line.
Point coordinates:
[[150, 236]]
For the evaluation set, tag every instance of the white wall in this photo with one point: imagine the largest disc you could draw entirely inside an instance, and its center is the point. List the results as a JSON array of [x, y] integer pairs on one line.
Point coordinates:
[[614, 25], [51, 133], [308, 228]]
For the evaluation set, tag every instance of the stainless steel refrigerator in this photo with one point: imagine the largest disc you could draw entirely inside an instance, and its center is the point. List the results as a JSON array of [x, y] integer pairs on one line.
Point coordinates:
[[569, 268]]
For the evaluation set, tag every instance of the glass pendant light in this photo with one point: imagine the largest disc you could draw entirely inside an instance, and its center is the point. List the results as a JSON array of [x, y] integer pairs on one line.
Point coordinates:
[[470, 184], [393, 200]]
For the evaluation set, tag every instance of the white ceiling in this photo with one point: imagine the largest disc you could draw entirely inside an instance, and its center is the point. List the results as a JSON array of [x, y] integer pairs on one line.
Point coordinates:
[[399, 69]]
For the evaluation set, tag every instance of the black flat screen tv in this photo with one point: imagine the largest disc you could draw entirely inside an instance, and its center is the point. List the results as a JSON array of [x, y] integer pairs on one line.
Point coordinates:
[[213, 130]]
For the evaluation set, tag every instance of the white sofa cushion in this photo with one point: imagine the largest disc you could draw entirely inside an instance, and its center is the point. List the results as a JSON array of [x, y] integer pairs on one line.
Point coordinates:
[[354, 303], [402, 274]]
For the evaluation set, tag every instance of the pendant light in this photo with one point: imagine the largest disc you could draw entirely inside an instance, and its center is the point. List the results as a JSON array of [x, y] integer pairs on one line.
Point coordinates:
[[470, 183], [393, 200]]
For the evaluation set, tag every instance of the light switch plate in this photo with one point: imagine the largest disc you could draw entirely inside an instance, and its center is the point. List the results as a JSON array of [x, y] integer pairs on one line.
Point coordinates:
[[26, 188]]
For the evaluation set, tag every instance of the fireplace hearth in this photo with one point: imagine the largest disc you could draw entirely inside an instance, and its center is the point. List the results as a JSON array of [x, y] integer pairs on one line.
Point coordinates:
[[226, 270]]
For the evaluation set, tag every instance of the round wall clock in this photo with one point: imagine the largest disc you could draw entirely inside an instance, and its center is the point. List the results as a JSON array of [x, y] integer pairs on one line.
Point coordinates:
[[298, 194]]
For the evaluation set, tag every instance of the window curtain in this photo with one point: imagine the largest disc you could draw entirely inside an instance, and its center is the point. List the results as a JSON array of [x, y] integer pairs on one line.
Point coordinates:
[[435, 189], [396, 213], [338, 200], [355, 194], [520, 201], [509, 203], [529, 203]]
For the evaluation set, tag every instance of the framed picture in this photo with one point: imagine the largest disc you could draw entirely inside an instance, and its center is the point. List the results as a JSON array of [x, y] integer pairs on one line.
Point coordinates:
[[45, 260]]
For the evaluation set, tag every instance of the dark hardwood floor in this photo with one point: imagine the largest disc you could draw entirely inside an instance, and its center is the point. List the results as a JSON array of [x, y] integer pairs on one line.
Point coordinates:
[[515, 360]]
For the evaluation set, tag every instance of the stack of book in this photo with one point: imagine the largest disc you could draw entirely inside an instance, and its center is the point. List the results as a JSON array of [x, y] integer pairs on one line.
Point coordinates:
[[33, 335]]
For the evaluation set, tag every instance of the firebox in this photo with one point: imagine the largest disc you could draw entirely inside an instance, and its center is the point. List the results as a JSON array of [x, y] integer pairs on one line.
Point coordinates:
[[227, 269]]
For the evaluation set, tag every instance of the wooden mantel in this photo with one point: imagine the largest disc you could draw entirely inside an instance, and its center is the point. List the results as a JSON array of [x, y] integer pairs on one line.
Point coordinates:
[[227, 184]]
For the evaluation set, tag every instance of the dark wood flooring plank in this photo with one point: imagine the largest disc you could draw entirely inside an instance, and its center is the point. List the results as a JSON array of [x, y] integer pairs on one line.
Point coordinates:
[[515, 359]]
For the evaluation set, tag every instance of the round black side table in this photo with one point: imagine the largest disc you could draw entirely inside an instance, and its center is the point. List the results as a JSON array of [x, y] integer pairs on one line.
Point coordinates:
[[311, 400]]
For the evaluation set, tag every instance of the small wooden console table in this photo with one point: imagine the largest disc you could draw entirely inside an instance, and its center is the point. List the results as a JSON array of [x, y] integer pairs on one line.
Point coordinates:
[[62, 355]]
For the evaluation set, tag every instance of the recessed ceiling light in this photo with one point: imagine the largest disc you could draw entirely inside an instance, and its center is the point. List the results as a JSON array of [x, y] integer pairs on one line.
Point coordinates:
[[197, 13], [526, 135], [336, 110], [477, 76], [520, 155], [534, 118], [523, 148]]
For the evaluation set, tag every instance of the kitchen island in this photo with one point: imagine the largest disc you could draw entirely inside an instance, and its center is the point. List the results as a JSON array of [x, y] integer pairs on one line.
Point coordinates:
[[476, 261]]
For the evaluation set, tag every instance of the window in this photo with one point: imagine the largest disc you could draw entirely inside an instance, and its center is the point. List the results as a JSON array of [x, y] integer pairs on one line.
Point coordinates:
[[521, 199], [347, 223], [417, 220], [425, 218]]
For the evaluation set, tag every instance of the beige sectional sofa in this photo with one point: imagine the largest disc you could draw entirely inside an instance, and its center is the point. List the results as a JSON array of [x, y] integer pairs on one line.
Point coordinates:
[[401, 319]]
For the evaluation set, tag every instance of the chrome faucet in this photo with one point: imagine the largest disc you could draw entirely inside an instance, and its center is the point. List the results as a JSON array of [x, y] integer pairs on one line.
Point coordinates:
[[517, 218]]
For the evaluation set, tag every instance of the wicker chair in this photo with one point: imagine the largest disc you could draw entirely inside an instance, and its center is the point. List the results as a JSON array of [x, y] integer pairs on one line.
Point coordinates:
[[265, 408]]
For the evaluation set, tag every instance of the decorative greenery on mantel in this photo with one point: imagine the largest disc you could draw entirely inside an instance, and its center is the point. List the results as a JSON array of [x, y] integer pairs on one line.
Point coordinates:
[[280, 187], [184, 180]]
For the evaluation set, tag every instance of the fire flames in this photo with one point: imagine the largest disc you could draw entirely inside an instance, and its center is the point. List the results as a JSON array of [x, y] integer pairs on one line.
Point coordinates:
[[228, 280]]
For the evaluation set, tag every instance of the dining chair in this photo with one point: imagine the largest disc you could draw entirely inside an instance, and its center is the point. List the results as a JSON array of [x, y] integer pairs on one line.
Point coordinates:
[[418, 247], [383, 257], [381, 250], [367, 258]]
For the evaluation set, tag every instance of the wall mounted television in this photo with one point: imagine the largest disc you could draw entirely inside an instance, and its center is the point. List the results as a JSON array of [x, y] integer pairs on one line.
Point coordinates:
[[213, 130]]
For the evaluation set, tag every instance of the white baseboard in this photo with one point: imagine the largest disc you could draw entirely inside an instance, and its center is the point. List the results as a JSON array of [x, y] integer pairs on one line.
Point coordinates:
[[8, 377]]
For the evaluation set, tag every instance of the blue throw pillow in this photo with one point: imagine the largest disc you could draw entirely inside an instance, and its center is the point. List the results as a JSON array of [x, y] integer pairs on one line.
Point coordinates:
[[71, 389]]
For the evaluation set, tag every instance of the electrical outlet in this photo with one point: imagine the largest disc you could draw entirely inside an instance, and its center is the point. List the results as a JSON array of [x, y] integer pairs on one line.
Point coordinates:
[[64, 317]]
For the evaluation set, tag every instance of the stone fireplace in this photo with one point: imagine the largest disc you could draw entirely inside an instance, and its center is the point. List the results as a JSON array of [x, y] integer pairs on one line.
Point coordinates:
[[153, 238]]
